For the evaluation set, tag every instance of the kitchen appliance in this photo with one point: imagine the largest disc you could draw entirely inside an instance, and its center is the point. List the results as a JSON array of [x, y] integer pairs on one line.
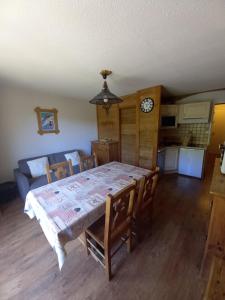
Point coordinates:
[[168, 121], [191, 161]]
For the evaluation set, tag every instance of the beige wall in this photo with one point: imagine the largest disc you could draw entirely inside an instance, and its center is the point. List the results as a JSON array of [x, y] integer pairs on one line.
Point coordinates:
[[18, 126]]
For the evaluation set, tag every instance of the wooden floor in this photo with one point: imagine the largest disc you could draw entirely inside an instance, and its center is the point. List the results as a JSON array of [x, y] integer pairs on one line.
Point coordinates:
[[164, 266]]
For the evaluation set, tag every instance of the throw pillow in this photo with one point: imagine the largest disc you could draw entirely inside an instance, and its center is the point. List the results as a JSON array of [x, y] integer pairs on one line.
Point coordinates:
[[74, 156], [38, 166]]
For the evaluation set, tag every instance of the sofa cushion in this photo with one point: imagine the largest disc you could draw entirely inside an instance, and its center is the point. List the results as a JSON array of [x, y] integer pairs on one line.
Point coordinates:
[[60, 156], [24, 168], [52, 158], [38, 166], [23, 176], [74, 157]]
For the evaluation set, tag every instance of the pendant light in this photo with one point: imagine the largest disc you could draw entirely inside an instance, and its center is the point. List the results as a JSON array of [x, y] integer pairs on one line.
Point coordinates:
[[105, 97]]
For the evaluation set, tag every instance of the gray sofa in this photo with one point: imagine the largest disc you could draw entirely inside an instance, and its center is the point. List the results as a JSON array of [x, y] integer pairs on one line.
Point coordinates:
[[23, 177]]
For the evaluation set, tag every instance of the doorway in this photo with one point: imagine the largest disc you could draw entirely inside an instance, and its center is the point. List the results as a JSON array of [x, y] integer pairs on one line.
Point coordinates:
[[217, 130]]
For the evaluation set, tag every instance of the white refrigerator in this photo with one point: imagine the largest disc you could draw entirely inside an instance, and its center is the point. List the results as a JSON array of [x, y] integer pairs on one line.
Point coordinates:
[[191, 162]]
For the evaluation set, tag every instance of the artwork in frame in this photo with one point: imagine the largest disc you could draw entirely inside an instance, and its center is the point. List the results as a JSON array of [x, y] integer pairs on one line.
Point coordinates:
[[47, 120]]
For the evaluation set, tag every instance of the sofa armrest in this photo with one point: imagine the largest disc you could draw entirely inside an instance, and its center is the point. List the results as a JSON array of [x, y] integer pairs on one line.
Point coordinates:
[[23, 183]]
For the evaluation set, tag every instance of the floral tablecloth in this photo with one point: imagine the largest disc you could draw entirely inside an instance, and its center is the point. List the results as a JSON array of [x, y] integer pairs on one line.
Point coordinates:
[[65, 208]]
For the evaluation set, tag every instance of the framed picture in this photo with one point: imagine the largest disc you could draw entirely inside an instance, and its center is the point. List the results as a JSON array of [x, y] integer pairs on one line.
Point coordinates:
[[47, 120]]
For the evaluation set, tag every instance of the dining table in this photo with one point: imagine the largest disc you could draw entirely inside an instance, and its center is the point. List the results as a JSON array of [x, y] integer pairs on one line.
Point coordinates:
[[67, 207]]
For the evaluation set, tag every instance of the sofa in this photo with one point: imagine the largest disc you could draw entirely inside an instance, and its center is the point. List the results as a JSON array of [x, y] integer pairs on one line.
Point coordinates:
[[23, 177]]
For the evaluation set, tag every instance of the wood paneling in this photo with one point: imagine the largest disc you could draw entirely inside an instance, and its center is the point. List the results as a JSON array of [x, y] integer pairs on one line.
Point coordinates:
[[149, 126], [142, 133], [216, 284], [108, 122], [128, 135]]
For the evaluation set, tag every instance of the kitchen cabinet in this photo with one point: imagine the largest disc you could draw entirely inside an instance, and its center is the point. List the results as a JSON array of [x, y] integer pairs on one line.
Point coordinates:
[[194, 112], [191, 162], [182, 160], [171, 159], [169, 110], [215, 244]]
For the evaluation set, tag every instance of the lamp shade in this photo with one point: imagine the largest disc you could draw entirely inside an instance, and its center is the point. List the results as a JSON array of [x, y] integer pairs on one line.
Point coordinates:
[[105, 97]]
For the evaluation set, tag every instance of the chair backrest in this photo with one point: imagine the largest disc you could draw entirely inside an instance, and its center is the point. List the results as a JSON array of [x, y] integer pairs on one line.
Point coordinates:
[[146, 192], [60, 170], [88, 162], [118, 215]]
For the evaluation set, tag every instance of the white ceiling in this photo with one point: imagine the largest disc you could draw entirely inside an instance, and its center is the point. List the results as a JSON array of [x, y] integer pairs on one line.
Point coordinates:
[[61, 45]]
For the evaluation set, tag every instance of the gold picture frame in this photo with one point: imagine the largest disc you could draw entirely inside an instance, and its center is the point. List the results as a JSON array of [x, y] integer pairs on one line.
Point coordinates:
[[47, 120]]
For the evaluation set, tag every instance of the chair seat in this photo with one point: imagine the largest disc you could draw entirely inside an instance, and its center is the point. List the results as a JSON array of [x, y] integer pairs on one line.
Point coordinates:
[[96, 231]]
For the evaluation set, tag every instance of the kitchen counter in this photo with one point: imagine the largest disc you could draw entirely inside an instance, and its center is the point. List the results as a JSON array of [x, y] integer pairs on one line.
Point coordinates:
[[217, 187], [162, 148]]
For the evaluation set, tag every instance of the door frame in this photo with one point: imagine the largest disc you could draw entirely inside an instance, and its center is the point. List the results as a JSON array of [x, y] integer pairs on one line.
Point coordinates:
[[211, 123]]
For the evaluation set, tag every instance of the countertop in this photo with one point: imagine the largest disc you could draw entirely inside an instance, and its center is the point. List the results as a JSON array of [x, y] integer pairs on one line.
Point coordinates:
[[218, 181], [163, 148]]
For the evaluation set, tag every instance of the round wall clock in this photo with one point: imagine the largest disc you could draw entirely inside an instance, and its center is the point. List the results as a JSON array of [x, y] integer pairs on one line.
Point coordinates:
[[147, 105]]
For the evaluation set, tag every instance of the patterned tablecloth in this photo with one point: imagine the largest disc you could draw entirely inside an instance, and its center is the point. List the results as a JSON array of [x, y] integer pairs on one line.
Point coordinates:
[[65, 208]]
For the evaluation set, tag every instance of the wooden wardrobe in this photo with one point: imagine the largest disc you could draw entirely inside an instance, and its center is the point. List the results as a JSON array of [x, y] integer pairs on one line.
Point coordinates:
[[136, 131]]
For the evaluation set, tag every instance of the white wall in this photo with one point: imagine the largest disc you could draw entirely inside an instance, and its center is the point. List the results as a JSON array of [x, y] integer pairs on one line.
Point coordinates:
[[18, 126], [214, 96]]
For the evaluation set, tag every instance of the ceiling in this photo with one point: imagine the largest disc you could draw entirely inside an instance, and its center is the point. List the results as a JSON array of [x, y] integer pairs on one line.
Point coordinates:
[[61, 45]]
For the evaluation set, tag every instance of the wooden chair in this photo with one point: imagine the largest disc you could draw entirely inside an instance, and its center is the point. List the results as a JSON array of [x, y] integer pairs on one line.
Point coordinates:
[[60, 170], [113, 229], [143, 210], [88, 162]]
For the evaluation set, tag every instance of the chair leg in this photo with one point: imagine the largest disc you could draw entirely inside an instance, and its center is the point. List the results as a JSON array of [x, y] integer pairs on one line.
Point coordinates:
[[108, 265], [86, 243], [129, 241]]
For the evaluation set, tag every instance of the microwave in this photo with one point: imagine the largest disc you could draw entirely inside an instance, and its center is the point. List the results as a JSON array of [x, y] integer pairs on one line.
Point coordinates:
[[168, 122]]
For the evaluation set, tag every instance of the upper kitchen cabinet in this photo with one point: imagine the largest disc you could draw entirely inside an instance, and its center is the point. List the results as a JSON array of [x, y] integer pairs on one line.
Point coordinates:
[[169, 110], [194, 112]]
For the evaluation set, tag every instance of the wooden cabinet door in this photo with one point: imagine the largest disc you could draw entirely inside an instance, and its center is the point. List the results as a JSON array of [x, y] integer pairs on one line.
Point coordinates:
[[103, 155], [215, 244], [218, 132], [168, 110], [102, 152], [171, 159], [114, 152], [194, 112], [128, 135]]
